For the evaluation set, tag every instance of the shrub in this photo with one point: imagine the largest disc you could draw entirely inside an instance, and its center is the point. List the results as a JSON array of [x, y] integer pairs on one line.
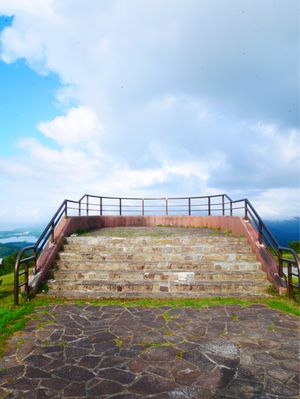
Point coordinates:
[[295, 245], [8, 263]]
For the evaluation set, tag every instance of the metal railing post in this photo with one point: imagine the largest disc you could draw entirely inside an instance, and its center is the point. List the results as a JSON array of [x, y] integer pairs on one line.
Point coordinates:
[[167, 210], [260, 233], [290, 281], [280, 263], [26, 274], [87, 205], [209, 210], [52, 232], [101, 210], [66, 208], [143, 206], [223, 205], [120, 206], [16, 282], [190, 211], [230, 208], [246, 210], [34, 269], [79, 208]]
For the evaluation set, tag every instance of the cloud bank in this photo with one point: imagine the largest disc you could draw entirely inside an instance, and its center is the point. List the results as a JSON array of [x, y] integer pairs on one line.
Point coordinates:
[[158, 98]]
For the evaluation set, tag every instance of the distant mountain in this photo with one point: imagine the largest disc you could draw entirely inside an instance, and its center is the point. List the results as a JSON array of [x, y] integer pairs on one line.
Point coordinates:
[[8, 249], [14, 240], [285, 230]]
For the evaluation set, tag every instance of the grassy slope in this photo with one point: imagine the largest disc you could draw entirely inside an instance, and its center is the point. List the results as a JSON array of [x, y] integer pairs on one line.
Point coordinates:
[[14, 318]]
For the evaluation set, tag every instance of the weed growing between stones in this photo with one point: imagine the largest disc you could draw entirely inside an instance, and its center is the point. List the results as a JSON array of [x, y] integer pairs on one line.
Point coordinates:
[[179, 355], [167, 317], [118, 342], [271, 327]]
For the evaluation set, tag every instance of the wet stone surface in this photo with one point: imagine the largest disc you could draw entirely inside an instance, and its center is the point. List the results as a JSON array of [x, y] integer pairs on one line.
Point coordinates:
[[72, 351]]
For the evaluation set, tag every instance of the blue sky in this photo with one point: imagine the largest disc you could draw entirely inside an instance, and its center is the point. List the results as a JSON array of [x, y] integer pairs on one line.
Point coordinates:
[[148, 98], [25, 96]]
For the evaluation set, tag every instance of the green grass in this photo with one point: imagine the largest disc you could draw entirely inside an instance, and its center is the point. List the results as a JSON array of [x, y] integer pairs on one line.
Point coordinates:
[[160, 230], [13, 318], [119, 342]]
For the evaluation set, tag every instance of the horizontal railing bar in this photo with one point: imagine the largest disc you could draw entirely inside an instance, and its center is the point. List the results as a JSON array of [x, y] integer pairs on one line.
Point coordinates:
[[24, 260], [151, 198], [22, 284], [201, 210], [289, 260], [85, 207], [213, 207], [29, 248], [239, 200], [162, 209]]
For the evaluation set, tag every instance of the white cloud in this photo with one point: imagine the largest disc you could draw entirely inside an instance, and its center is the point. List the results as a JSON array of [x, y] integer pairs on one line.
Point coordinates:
[[79, 125], [174, 98], [273, 203]]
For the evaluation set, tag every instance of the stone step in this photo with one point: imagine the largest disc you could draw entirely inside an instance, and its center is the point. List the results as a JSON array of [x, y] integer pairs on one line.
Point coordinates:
[[165, 238], [154, 275], [90, 295], [132, 287], [103, 295], [157, 257], [166, 265], [163, 251], [150, 266], [156, 246]]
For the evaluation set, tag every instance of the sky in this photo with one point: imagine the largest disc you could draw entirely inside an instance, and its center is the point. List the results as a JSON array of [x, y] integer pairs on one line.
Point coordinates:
[[148, 98]]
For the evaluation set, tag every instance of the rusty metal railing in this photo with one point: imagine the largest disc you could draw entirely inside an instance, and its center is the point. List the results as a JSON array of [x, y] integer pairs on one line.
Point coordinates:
[[32, 252], [212, 205]]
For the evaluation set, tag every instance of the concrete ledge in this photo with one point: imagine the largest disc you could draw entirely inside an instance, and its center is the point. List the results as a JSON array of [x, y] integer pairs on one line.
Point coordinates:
[[236, 224]]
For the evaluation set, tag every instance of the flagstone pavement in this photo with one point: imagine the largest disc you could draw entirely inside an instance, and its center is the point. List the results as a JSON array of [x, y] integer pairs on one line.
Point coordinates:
[[80, 351]]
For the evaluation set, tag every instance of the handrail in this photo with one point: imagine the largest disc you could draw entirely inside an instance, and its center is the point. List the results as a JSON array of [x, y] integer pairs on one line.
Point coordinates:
[[165, 207], [19, 262], [291, 263], [265, 235]]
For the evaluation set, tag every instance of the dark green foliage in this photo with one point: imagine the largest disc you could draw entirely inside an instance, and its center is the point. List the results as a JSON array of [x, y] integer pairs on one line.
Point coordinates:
[[6, 250], [8, 263], [43, 287], [82, 231], [295, 245]]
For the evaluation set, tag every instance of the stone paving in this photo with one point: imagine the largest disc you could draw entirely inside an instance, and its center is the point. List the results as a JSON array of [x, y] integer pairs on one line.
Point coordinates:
[[73, 351]]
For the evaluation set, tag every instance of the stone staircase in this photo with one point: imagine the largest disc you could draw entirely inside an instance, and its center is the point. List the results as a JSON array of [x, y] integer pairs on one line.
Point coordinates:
[[185, 265]]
